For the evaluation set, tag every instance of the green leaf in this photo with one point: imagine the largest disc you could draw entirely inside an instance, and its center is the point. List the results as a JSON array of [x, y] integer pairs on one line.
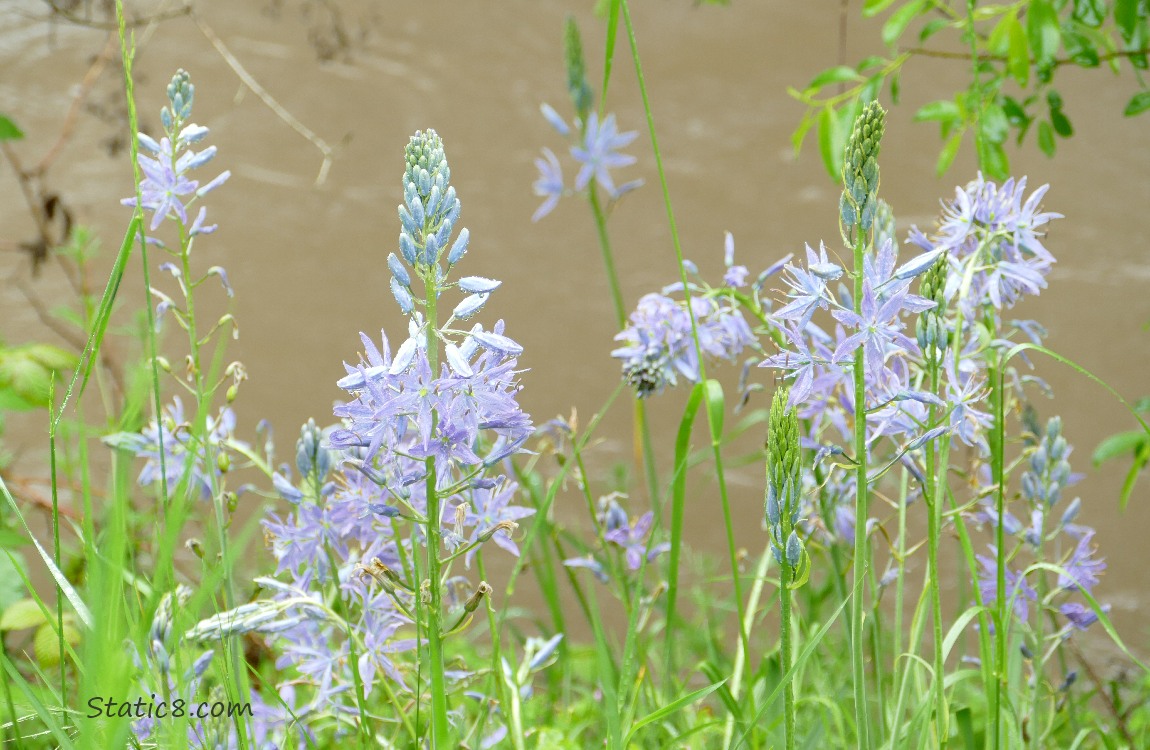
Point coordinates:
[[899, 20], [1015, 112], [11, 539], [802, 573], [1122, 444], [61, 581], [1141, 456], [679, 501], [896, 87], [46, 643], [811, 645], [12, 401], [992, 158], [800, 133], [944, 110], [1080, 49], [1042, 30], [999, 40], [995, 126], [946, 156], [1138, 104], [1046, 138], [103, 314], [830, 76], [1090, 12], [1103, 619], [52, 357], [671, 708], [21, 615], [1018, 62], [930, 28], [962, 717], [1061, 123], [874, 7], [713, 397], [26, 377], [9, 131], [13, 570], [830, 143], [1126, 16]]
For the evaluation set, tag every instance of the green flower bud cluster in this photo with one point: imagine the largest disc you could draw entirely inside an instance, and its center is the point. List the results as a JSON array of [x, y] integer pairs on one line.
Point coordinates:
[[884, 227], [783, 481], [577, 85], [181, 95], [310, 455], [931, 327], [426, 162], [428, 215], [860, 169]]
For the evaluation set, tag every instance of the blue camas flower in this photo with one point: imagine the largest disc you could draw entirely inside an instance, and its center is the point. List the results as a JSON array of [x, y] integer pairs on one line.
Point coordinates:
[[166, 189], [549, 185], [633, 539], [171, 437], [991, 227], [596, 151], [659, 347], [600, 152]]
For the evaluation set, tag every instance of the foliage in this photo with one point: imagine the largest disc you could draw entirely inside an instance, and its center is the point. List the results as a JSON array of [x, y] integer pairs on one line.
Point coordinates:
[[1014, 50]]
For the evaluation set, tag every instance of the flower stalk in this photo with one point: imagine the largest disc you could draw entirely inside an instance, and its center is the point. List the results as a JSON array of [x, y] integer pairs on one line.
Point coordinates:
[[782, 514], [856, 216]]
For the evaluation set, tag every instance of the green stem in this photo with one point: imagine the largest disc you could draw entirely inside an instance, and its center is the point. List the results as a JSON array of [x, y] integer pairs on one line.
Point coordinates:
[[1036, 727], [934, 526], [712, 425], [608, 256], [740, 654], [434, 637], [875, 630], [497, 657], [785, 577], [997, 439], [645, 453], [900, 585], [56, 549], [862, 507]]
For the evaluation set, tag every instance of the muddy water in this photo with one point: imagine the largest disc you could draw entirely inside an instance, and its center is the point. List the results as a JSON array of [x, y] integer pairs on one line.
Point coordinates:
[[307, 261]]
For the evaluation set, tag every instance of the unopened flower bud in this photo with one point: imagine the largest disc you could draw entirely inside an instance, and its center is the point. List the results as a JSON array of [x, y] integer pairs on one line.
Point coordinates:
[[860, 170], [196, 547], [474, 600], [794, 550]]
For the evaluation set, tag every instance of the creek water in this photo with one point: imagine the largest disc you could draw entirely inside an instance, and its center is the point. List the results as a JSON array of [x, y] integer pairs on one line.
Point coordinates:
[[307, 260]]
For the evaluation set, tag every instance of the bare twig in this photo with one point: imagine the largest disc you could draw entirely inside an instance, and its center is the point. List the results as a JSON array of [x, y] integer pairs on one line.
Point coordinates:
[[111, 46], [21, 490], [130, 23], [74, 340], [986, 57], [267, 98], [1106, 700], [33, 196]]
